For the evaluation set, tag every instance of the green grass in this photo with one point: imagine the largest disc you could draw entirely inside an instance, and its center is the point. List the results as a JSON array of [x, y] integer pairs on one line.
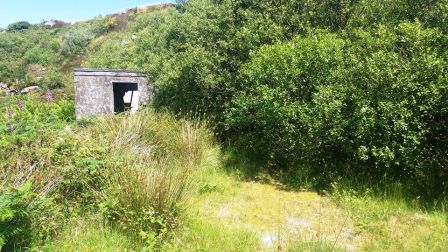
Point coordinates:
[[200, 234], [224, 213], [89, 234], [264, 217], [314, 246], [391, 225], [270, 217]]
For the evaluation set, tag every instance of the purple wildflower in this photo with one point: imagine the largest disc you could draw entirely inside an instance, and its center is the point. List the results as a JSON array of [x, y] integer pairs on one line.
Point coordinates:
[[49, 96], [10, 113], [20, 105]]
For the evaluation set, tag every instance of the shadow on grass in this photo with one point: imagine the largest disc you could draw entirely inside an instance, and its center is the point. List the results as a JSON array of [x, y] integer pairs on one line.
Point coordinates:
[[255, 167]]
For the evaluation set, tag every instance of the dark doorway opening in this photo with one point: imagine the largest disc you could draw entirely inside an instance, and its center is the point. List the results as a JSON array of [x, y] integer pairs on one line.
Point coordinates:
[[120, 90]]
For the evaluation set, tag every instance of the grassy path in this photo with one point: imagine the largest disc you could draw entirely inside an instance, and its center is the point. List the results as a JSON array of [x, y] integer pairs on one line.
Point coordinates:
[[228, 214], [280, 219]]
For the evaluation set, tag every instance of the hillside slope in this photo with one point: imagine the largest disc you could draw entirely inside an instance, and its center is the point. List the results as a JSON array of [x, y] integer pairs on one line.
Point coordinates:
[[45, 54]]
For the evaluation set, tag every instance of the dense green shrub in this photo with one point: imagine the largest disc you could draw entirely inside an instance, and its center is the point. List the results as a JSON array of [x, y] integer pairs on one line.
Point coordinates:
[[225, 32], [274, 107], [366, 14], [38, 55], [15, 219], [340, 87], [397, 98], [54, 79], [18, 26], [370, 103], [194, 55]]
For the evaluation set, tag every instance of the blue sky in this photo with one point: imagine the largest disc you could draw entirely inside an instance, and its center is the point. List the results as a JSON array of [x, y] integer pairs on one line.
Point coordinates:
[[35, 11]]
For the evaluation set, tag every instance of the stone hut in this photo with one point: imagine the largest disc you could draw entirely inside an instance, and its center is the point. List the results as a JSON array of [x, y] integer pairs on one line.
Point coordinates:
[[99, 92]]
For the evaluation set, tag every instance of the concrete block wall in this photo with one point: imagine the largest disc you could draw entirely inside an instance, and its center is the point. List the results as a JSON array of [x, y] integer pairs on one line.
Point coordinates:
[[94, 90]]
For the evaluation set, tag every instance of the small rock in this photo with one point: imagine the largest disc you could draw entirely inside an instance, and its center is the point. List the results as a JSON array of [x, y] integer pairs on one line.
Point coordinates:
[[12, 92], [29, 89]]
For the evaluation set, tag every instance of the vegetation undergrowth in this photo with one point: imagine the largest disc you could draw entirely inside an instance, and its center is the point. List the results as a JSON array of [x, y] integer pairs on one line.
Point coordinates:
[[321, 90], [330, 119], [133, 169], [152, 182]]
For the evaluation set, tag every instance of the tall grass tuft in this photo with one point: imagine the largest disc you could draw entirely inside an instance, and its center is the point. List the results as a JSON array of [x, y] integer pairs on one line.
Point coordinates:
[[135, 169], [149, 165]]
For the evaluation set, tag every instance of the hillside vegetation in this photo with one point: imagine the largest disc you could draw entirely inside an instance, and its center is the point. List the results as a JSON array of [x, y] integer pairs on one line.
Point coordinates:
[[260, 105]]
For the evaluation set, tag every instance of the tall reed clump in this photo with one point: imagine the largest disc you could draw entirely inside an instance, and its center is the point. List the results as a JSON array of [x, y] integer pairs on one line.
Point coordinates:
[[149, 161]]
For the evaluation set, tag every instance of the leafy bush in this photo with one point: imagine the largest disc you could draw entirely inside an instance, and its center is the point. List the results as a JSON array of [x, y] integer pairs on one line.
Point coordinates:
[[196, 52], [54, 79], [395, 102], [38, 55], [221, 35], [365, 103], [274, 107], [15, 223], [110, 23], [18, 26]]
